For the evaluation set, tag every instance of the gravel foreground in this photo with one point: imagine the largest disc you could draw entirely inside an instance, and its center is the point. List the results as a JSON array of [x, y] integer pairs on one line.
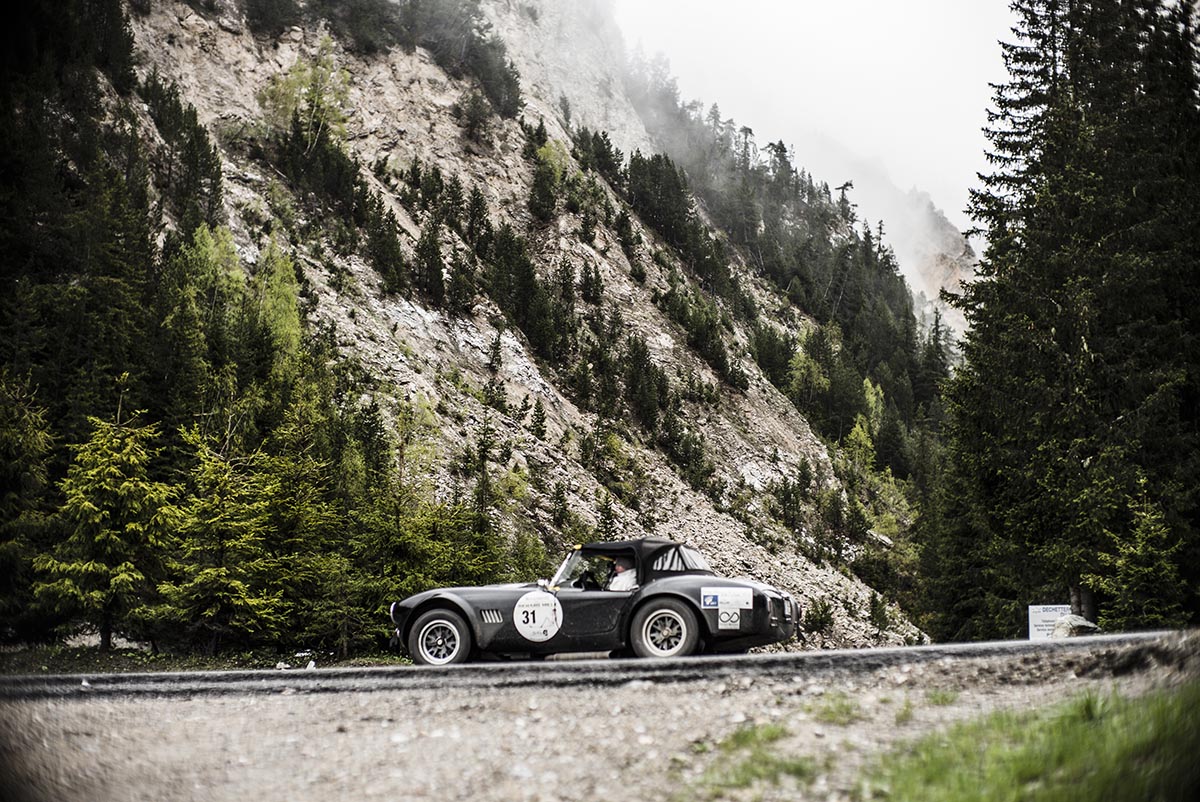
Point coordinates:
[[641, 740]]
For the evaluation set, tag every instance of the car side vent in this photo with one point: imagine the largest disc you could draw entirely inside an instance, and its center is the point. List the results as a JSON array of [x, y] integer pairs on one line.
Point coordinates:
[[491, 617]]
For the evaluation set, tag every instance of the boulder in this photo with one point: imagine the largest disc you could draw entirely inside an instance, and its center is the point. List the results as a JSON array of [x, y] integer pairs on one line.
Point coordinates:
[[1073, 626]]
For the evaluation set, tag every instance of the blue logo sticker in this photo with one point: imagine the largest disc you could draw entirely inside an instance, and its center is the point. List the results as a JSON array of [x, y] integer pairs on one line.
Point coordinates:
[[710, 601]]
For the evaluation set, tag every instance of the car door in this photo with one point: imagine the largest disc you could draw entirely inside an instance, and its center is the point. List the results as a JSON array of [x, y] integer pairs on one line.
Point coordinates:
[[591, 617]]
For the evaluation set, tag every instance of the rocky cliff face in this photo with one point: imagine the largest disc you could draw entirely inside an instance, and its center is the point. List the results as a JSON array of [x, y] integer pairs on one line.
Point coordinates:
[[401, 107]]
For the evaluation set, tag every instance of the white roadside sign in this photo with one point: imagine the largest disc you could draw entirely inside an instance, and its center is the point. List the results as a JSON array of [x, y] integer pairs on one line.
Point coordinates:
[[1042, 618]]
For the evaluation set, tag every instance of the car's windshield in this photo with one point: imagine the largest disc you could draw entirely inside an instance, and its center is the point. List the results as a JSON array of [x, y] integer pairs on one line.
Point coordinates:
[[570, 569], [579, 563]]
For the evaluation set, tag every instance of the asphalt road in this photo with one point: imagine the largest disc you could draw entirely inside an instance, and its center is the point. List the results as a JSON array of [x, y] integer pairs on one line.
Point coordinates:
[[567, 673]]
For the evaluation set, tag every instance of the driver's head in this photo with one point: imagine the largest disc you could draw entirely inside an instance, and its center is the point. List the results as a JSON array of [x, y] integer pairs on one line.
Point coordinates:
[[622, 564]]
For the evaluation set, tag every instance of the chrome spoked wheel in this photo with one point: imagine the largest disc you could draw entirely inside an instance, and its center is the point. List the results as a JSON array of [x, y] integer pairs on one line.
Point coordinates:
[[439, 638], [664, 632], [439, 643], [664, 628]]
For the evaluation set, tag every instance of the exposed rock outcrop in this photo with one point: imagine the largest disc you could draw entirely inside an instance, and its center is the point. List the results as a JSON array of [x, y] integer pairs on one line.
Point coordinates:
[[1073, 626]]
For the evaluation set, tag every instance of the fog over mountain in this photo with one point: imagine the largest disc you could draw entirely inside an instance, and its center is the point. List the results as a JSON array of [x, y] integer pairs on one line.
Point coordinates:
[[890, 96], [933, 253]]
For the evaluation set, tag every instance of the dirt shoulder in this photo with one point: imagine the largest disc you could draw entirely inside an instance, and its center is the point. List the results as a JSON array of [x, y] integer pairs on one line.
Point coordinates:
[[535, 744]]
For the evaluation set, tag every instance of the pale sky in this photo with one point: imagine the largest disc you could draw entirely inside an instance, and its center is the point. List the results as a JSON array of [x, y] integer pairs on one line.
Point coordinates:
[[900, 84]]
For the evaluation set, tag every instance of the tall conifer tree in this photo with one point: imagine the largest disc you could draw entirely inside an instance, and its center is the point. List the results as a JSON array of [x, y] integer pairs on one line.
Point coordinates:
[[117, 520], [1075, 386]]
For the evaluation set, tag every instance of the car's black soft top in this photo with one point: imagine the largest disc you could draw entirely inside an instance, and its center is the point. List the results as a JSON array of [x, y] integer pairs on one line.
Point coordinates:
[[647, 551], [644, 547]]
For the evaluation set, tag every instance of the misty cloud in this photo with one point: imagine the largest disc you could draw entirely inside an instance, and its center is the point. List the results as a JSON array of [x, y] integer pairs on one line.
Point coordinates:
[[872, 91]]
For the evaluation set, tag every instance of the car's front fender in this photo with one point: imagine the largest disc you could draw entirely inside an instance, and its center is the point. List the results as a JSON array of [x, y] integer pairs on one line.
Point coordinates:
[[404, 612]]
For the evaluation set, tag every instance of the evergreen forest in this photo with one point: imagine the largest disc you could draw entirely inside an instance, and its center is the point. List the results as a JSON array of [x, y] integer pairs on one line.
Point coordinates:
[[187, 457]]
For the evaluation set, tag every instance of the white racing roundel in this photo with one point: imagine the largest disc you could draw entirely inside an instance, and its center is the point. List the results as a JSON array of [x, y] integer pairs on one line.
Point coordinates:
[[538, 616]]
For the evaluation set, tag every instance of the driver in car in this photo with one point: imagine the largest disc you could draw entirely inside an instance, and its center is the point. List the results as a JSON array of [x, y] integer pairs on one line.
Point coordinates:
[[624, 575]]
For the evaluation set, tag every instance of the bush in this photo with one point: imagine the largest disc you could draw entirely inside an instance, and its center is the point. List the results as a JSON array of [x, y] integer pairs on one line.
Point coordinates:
[[819, 617]]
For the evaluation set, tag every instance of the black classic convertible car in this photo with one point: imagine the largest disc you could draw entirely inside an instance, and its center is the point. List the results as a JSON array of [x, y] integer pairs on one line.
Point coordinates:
[[649, 597]]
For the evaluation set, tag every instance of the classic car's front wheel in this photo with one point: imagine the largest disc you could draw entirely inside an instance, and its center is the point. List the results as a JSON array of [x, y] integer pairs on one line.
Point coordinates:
[[439, 638], [664, 628]]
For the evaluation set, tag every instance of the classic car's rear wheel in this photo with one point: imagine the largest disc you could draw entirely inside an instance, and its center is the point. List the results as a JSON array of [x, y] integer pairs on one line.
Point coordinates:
[[439, 638], [664, 628]]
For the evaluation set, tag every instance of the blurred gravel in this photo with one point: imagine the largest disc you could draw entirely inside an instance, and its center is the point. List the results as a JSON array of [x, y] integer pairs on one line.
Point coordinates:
[[526, 743]]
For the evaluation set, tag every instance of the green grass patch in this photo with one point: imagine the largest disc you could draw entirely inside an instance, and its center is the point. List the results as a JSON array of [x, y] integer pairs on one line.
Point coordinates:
[[905, 713], [1092, 748], [753, 737], [837, 708], [748, 757], [941, 698], [767, 768]]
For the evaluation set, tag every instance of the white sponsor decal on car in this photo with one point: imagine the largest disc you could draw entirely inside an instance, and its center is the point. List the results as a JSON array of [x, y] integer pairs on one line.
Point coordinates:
[[538, 616], [729, 603]]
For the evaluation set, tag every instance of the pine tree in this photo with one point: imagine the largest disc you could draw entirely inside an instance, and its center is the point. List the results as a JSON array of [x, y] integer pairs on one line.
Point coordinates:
[[460, 293], [644, 382], [1141, 576], [204, 344], [591, 284], [479, 224], [216, 596], [475, 113], [606, 525], [383, 246], [302, 524], [537, 424], [453, 202], [430, 268], [274, 293], [117, 521], [628, 238], [543, 194], [483, 495]]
